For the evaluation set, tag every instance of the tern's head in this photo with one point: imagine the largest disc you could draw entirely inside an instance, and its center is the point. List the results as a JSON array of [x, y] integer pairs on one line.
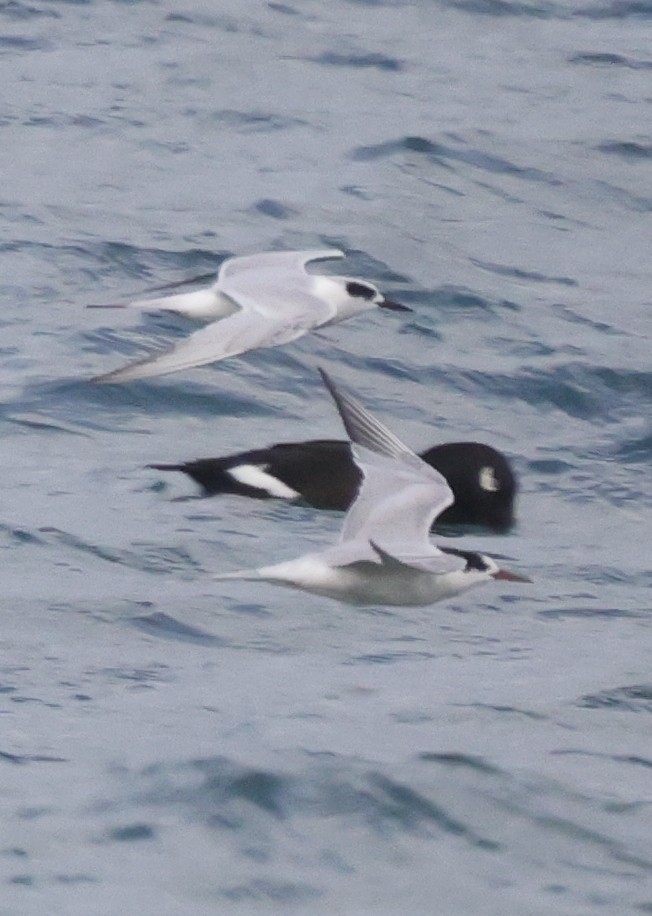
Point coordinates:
[[480, 567], [361, 289], [353, 296]]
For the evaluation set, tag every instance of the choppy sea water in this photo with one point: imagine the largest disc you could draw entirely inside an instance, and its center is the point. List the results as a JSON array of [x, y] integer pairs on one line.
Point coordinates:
[[171, 744]]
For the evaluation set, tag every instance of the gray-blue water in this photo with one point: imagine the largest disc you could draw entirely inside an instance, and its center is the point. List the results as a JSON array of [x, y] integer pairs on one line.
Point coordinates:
[[174, 745]]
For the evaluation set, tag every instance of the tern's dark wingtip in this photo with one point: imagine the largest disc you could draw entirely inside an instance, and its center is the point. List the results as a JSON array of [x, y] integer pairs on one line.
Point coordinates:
[[331, 387], [338, 397], [325, 377], [394, 306], [106, 378]]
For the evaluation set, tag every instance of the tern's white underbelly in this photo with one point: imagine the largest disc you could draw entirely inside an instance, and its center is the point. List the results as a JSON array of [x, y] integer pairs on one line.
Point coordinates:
[[369, 584]]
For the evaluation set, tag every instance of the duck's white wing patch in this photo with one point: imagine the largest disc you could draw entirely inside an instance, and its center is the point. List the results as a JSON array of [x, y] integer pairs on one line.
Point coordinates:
[[258, 476]]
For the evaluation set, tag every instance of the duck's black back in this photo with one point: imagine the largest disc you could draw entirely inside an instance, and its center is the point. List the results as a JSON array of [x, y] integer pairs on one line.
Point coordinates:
[[322, 473]]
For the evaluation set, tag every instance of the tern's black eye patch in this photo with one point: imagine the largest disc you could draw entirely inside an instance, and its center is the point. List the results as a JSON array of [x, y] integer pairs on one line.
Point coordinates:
[[360, 290], [473, 560]]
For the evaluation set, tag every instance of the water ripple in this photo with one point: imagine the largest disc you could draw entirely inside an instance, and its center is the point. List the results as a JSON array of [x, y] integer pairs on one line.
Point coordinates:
[[618, 9], [359, 61], [629, 150], [163, 625], [636, 698], [607, 59], [442, 154]]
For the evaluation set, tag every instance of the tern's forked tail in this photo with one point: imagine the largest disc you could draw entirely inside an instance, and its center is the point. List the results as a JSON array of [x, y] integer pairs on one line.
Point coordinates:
[[243, 574]]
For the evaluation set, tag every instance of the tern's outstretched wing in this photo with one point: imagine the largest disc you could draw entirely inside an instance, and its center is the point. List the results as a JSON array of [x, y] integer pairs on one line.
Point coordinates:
[[275, 295], [363, 428], [400, 495], [218, 340], [272, 262], [276, 283], [397, 503]]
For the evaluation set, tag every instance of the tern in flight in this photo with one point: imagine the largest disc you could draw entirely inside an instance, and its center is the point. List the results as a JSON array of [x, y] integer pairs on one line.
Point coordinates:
[[384, 555], [261, 300]]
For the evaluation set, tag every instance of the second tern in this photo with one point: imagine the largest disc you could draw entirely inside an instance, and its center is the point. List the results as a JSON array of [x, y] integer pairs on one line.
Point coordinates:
[[260, 300], [385, 555]]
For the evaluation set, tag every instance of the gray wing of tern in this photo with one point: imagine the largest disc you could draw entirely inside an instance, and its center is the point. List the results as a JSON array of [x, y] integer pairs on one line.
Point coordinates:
[[400, 495], [271, 263], [276, 307]]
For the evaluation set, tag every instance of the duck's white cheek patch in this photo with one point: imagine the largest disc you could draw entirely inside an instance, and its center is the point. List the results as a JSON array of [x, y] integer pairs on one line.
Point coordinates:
[[488, 480], [255, 475]]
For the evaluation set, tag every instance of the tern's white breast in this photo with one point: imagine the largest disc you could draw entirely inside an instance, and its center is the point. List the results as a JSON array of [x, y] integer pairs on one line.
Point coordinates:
[[369, 583]]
